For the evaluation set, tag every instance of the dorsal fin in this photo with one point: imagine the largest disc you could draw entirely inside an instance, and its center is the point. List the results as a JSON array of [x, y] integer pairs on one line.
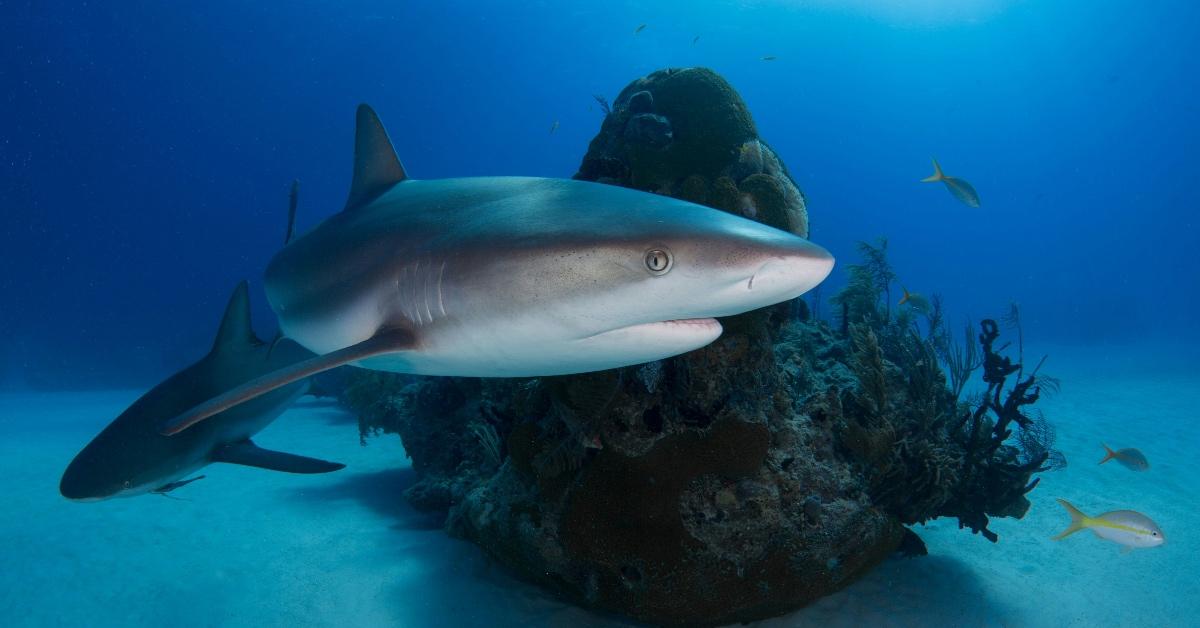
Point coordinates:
[[235, 330], [376, 166]]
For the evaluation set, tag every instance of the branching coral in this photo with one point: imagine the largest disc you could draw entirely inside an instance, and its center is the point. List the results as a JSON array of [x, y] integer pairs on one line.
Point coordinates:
[[489, 440], [869, 283], [998, 474], [1036, 441], [868, 368], [961, 359], [926, 383], [373, 395], [942, 457]]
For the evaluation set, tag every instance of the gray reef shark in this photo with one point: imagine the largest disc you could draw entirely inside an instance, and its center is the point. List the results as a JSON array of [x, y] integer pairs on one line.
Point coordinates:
[[513, 276], [130, 457]]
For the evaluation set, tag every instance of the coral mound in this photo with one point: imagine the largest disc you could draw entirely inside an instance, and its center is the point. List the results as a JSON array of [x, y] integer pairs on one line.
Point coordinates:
[[686, 133], [742, 480]]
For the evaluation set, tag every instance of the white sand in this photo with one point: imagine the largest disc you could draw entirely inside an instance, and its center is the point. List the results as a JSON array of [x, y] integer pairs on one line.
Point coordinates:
[[256, 548]]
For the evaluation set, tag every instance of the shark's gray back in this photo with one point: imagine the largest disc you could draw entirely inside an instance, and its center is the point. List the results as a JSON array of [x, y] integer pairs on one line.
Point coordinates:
[[422, 222]]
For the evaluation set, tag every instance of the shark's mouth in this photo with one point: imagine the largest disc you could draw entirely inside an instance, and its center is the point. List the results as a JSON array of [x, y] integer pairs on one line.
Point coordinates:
[[670, 330], [692, 323]]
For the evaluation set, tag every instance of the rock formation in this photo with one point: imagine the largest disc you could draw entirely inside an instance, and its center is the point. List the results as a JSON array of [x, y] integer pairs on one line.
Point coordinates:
[[735, 482], [686, 133]]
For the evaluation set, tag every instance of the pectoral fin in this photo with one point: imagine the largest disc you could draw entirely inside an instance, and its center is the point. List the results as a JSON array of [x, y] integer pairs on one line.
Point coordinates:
[[390, 341], [251, 455], [170, 486]]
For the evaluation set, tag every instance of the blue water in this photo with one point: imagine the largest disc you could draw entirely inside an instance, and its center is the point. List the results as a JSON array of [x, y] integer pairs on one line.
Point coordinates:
[[148, 146], [147, 149]]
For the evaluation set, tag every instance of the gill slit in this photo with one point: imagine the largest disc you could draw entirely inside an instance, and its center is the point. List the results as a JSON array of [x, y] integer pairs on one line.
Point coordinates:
[[416, 308], [418, 290], [401, 283], [441, 272], [425, 291]]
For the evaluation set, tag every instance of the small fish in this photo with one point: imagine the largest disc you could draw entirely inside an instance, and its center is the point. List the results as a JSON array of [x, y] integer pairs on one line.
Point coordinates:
[[1125, 527], [1129, 458], [639, 29], [553, 127], [915, 300], [695, 39], [769, 58], [959, 188]]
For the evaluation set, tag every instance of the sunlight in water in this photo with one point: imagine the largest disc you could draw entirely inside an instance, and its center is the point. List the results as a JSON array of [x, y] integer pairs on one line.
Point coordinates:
[[917, 12]]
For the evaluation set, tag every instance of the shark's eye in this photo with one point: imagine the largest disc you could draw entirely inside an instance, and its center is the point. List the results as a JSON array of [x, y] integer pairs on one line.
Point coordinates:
[[658, 261]]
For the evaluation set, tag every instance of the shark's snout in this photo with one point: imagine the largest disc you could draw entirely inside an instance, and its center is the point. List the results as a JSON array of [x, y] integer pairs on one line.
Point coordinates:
[[96, 473], [79, 485], [791, 273]]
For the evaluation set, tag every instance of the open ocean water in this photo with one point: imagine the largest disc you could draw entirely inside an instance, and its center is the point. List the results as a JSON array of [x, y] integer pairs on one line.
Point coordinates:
[[146, 154]]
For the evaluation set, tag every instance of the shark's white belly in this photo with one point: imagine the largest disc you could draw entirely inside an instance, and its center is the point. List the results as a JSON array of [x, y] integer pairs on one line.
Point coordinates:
[[529, 345], [523, 353]]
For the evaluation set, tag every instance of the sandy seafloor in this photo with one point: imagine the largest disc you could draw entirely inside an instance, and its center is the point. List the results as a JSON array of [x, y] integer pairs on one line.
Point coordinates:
[[256, 548]]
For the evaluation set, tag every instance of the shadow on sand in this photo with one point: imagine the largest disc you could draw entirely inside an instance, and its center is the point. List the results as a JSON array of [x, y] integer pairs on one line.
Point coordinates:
[[382, 492], [924, 591], [441, 580], [327, 409]]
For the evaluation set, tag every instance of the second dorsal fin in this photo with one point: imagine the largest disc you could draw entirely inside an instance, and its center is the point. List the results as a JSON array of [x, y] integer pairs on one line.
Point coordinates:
[[376, 166]]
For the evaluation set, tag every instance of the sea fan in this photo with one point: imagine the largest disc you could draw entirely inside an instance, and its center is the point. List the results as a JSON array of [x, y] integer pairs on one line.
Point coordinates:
[[603, 103]]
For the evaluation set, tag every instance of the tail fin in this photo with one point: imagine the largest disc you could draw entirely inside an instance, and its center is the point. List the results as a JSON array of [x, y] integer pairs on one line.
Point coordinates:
[[1078, 520], [906, 296], [937, 174], [1109, 454]]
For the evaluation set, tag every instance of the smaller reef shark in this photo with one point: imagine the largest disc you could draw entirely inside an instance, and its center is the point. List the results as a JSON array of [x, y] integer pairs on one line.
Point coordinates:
[[130, 457], [959, 188]]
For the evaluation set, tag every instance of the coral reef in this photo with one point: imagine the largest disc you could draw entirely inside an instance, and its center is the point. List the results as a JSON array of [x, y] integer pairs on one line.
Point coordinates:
[[686, 133], [741, 480]]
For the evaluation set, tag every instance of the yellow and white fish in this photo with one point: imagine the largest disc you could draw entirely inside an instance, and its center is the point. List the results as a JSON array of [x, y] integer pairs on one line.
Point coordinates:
[[958, 187], [1125, 527]]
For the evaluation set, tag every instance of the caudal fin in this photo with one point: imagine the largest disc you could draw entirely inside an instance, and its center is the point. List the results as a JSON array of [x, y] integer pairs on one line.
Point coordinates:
[[906, 296], [1078, 520], [937, 174], [1108, 454]]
